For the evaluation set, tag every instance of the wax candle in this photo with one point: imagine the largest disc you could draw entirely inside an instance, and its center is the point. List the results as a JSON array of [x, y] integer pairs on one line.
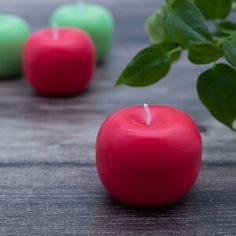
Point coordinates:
[[95, 19], [59, 62], [148, 156], [13, 34]]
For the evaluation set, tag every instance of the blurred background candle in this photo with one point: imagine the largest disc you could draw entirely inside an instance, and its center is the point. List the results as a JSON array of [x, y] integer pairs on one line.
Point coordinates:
[[95, 19], [59, 62], [13, 33]]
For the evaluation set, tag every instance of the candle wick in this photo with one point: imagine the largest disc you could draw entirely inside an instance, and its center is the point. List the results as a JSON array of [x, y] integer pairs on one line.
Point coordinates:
[[80, 2], [81, 6], [148, 114], [55, 31]]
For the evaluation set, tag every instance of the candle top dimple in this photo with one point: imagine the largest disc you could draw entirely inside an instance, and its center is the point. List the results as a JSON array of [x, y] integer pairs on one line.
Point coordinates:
[[163, 120], [63, 36], [77, 10]]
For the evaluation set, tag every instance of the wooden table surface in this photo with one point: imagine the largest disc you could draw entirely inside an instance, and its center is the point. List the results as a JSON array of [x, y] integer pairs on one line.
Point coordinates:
[[48, 179]]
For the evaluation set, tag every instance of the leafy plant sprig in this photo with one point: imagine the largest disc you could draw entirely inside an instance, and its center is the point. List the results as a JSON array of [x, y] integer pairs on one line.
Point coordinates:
[[182, 25]]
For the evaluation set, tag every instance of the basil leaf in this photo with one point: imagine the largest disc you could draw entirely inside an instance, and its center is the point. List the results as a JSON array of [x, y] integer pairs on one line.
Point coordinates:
[[186, 25], [146, 68], [214, 9], [154, 27], [170, 2], [217, 90], [230, 52], [204, 53], [226, 27]]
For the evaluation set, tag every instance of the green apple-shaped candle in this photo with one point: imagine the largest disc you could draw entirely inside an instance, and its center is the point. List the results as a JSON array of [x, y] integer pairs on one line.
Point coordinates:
[[13, 33], [95, 19]]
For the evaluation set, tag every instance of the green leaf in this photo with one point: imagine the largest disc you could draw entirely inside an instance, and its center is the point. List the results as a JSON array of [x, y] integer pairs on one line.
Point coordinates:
[[214, 9], [204, 53], [230, 52], [186, 25], [233, 7], [217, 90], [170, 2], [154, 27], [226, 27], [146, 68]]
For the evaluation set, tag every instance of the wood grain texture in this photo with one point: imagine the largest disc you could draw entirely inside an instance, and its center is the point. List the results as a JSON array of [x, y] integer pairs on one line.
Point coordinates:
[[48, 179]]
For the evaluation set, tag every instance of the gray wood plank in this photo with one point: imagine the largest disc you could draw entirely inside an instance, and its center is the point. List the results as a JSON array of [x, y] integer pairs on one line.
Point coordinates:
[[48, 180]]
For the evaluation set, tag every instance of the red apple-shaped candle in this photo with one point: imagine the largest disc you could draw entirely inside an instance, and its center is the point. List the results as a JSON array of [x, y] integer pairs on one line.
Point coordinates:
[[148, 156], [59, 62]]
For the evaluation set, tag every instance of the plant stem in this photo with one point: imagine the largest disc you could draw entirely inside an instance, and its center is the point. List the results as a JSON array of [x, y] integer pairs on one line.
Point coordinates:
[[177, 49]]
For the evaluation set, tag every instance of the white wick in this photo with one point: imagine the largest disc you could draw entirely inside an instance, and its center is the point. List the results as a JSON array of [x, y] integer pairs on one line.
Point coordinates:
[[80, 2], [148, 114], [55, 31]]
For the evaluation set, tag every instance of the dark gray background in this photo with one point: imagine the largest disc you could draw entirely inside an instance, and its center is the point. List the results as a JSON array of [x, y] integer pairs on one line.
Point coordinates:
[[48, 180]]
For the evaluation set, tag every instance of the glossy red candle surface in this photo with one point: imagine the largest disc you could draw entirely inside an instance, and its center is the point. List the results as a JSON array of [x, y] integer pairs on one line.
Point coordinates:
[[148, 165], [59, 62]]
